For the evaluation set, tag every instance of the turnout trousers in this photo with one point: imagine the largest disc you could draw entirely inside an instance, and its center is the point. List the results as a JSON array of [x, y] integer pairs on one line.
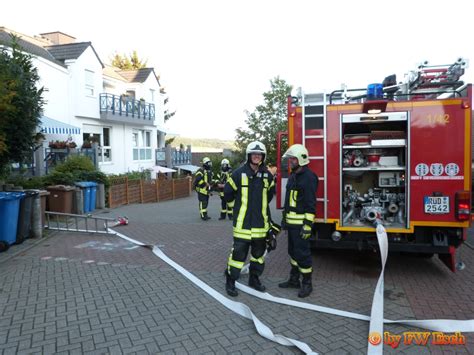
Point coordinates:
[[226, 208], [299, 250], [239, 253], [203, 202]]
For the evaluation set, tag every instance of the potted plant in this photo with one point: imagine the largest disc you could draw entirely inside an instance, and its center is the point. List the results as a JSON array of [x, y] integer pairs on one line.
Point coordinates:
[[58, 145]]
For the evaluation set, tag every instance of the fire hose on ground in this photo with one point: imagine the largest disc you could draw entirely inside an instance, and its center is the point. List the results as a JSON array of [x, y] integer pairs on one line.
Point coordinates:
[[376, 318]]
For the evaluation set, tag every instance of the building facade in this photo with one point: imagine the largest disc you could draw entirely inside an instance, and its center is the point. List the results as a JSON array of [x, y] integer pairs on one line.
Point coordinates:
[[92, 102]]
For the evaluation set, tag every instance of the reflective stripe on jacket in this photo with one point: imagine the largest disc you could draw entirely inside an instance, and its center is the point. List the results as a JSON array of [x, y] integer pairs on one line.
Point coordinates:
[[300, 198], [251, 193], [222, 178], [201, 179]]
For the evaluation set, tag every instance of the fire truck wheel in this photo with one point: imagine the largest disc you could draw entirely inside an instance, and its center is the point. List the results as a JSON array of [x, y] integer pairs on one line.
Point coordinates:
[[3, 246]]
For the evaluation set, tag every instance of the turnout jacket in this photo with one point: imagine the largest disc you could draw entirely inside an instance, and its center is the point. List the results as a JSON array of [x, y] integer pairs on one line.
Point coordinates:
[[251, 192], [300, 198], [202, 177], [222, 178]]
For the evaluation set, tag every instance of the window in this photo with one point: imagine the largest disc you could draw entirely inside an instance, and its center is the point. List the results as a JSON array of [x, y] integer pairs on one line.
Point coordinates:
[[89, 80], [103, 141], [131, 94], [152, 96], [141, 142], [135, 145], [105, 153]]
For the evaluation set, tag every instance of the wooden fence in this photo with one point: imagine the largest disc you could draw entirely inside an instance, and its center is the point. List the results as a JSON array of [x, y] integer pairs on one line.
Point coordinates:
[[123, 191]]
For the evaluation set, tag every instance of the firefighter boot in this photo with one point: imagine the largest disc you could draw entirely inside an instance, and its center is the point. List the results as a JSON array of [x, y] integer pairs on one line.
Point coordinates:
[[229, 215], [255, 283], [306, 286], [205, 217], [230, 285], [294, 280], [222, 216]]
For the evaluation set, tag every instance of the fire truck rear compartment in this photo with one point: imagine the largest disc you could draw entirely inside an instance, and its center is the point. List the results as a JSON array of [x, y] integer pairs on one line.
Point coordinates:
[[374, 169]]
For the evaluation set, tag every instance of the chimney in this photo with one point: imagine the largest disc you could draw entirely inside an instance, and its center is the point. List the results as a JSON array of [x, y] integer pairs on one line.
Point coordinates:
[[58, 37]]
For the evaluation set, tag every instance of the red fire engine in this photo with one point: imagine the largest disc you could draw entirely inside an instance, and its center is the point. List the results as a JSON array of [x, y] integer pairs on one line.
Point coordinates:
[[398, 153]]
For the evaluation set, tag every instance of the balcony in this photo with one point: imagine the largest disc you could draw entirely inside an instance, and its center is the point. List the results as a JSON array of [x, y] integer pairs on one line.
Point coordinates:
[[121, 109], [173, 157]]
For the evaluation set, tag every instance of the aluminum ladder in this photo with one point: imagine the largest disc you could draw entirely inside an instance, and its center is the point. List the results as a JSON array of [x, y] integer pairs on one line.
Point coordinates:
[[69, 222], [314, 117]]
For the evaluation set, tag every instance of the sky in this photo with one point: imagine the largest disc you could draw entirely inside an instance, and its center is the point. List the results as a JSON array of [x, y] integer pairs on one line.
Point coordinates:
[[216, 57]]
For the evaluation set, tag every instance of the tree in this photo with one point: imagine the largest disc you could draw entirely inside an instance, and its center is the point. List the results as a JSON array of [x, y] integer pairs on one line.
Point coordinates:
[[267, 120], [21, 104], [167, 112], [169, 141], [128, 63], [134, 62]]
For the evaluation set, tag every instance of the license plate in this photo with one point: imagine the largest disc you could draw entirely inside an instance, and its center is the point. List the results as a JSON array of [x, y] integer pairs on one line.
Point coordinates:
[[436, 204]]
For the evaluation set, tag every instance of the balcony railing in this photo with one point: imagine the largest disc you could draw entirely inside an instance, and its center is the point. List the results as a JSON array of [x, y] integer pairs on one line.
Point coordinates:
[[173, 157], [123, 106], [180, 157]]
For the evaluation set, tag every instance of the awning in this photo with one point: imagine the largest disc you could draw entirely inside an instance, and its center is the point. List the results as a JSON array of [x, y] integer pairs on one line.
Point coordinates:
[[52, 126], [166, 131], [191, 168], [162, 169]]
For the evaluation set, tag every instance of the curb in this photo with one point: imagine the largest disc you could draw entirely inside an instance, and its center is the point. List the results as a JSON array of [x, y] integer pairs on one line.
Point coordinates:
[[22, 248]]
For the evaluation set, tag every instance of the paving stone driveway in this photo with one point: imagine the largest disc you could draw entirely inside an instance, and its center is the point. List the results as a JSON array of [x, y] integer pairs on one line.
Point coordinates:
[[78, 293]]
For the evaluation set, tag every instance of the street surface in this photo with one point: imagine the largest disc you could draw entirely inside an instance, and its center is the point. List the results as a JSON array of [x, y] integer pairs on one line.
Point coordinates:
[[72, 293]]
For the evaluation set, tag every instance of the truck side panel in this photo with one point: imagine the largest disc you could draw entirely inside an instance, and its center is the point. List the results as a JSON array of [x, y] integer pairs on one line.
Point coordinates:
[[439, 161]]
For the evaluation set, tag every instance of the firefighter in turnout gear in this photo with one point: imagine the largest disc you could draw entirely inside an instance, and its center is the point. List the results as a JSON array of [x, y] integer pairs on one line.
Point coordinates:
[[226, 208], [298, 217], [251, 188], [202, 185]]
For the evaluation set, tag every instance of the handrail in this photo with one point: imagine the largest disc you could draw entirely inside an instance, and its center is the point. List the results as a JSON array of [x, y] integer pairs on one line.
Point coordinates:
[[126, 107]]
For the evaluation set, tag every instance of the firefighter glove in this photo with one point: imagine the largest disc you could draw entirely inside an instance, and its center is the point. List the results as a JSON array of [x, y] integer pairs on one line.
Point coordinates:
[[275, 227], [271, 237], [271, 240], [305, 231]]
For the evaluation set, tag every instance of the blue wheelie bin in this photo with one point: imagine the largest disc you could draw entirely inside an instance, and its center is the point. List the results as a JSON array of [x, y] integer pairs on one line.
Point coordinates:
[[93, 191], [9, 212], [86, 192]]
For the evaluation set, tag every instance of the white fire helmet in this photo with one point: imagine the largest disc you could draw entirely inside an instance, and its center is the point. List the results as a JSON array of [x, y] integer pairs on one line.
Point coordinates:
[[256, 147], [299, 152], [207, 163]]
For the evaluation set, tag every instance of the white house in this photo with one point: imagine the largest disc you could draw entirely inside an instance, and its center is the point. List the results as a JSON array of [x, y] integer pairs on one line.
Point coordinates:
[[120, 110]]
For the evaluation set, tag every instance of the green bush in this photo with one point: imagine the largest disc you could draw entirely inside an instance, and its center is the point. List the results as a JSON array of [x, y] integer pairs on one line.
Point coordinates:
[[216, 164], [76, 163], [76, 168], [135, 175], [35, 182], [59, 178]]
